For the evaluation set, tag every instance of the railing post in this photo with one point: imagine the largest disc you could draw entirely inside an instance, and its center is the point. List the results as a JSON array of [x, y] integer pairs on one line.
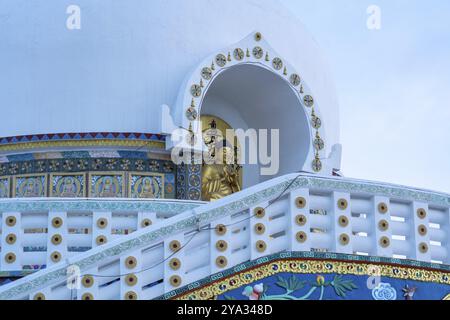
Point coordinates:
[[220, 245], [12, 247], [101, 228], [341, 217], [56, 237], [259, 235], [175, 262], [130, 282], [381, 232], [299, 226], [419, 232]]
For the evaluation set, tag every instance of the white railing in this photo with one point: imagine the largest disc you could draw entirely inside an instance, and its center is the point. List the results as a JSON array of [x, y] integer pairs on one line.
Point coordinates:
[[36, 233], [290, 213]]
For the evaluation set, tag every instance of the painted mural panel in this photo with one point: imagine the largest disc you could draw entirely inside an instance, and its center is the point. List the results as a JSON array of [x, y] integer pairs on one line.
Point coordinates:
[[67, 185], [106, 185], [30, 186], [4, 188], [146, 186]]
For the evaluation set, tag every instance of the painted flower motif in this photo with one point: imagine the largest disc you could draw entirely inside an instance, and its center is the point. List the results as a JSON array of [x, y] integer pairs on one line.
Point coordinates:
[[254, 293], [320, 280], [384, 291]]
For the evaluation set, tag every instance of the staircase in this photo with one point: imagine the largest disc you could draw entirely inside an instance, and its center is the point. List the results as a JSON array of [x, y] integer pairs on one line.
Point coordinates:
[[187, 241]]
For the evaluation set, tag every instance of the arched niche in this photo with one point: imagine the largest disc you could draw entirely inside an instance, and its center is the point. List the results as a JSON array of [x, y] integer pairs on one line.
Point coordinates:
[[248, 96]]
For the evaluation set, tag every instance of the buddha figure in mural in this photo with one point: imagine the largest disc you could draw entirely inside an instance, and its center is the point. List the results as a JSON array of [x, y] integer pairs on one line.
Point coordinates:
[[147, 189], [220, 176], [107, 189], [69, 188], [31, 188]]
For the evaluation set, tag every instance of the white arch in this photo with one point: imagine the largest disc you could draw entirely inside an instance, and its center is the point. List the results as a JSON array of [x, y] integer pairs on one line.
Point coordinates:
[[256, 51]]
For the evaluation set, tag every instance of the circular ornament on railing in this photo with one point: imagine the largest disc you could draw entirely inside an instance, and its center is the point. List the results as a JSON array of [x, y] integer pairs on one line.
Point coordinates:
[[385, 242], [319, 144], [300, 202], [221, 229], [221, 262], [87, 281], [421, 213], [39, 296], [308, 101], [101, 240], [344, 239], [175, 281], [56, 239], [11, 221], [175, 264], [260, 228], [174, 245], [261, 246], [423, 230], [316, 122], [238, 54], [383, 225], [131, 262], [57, 222], [10, 258], [56, 256], [206, 73], [102, 223], [258, 52], [423, 247], [301, 237], [259, 212], [11, 238], [301, 220], [131, 280], [343, 221], [221, 60], [130, 295], [146, 223], [342, 204], [382, 208], [87, 296], [221, 245]]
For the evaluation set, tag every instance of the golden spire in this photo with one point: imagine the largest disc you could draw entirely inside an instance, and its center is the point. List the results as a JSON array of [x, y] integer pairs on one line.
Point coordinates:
[[213, 67], [229, 57], [248, 53], [267, 56]]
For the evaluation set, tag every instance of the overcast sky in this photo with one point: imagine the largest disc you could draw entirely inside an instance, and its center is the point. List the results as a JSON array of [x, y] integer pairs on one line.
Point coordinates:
[[393, 86]]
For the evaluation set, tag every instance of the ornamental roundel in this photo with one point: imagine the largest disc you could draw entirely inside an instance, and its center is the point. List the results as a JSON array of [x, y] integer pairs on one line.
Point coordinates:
[[277, 63], [238, 54], [308, 100], [258, 52], [316, 122], [317, 165], [221, 60], [191, 114], [319, 144], [206, 73], [295, 79], [196, 90]]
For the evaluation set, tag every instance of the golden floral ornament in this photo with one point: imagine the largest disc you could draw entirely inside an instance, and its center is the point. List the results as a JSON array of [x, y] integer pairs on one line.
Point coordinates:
[[308, 101], [221, 60], [317, 164], [11, 238], [131, 295], [191, 114], [316, 122], [206, 73], [383, 208], [300, 202], [221, 245], [238, 54], [57, 222], [56, 256], [319, 144], [277, 63], [11, 221], [295, 79], [258, 36], [196, 90], [258, 52]]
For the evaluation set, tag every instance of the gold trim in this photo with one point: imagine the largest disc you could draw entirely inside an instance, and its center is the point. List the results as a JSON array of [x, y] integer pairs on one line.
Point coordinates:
[[82, 143], [309, 266]]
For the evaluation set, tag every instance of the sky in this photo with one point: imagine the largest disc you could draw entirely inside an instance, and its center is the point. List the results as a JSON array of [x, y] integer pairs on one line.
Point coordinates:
[[393, 86]]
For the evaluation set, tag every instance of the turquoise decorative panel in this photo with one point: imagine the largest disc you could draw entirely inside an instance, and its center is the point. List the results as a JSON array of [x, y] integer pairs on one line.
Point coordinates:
[[30, 186]]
